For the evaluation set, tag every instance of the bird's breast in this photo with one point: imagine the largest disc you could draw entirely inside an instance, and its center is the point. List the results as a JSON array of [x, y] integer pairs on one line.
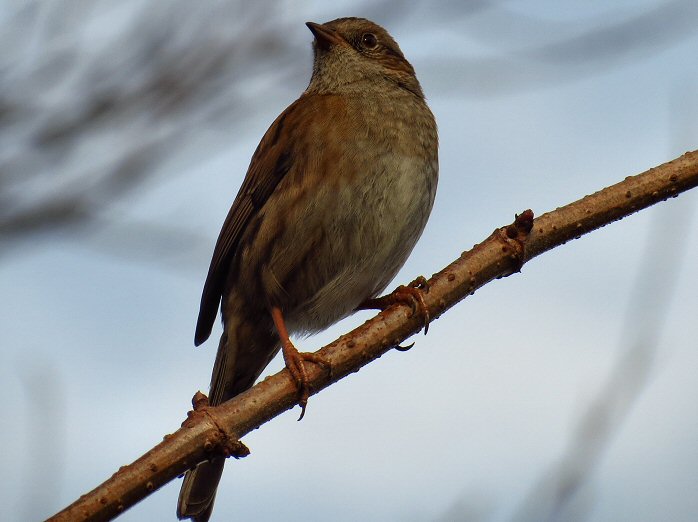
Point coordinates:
[[344, 220]]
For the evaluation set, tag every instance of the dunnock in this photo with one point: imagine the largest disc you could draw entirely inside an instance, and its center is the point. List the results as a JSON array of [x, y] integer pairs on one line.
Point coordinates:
[[335, 198]]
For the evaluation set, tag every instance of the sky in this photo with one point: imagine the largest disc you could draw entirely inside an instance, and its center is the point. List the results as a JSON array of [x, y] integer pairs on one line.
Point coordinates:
[[538, 104]]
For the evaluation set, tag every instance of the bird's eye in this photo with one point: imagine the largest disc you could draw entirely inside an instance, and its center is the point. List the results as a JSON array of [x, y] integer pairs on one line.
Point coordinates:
[[369, 41]]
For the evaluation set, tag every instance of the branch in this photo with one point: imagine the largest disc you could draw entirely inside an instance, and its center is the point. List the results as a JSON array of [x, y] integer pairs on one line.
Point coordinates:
[[212, 431]]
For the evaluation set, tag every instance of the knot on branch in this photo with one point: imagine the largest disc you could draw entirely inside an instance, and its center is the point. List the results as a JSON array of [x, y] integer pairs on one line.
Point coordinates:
[[219, 443], [515, 235], [522, 225]]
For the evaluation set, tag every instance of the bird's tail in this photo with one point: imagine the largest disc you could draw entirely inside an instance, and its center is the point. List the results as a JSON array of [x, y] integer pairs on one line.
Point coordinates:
[[199, 487], [199, 490], [233, 372]]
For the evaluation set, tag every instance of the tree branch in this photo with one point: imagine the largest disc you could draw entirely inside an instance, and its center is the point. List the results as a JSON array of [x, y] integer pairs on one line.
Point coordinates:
[[213, 431]]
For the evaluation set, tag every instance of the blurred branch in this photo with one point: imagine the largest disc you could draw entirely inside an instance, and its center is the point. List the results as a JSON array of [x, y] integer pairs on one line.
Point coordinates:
[[559, 494], [86, 121], [556, 495], [214, 431], [525, 53]]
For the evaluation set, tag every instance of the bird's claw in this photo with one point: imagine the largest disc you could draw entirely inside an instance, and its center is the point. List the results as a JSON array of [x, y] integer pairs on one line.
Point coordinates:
[[413, 295], [403, 348], [295, 362]]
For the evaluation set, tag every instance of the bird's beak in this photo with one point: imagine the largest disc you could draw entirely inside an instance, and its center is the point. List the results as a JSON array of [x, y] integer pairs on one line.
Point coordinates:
[[324, 36]]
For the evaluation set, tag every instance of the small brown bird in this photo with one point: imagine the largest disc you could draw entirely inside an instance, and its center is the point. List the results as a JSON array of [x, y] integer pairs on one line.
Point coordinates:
[[336, 196]]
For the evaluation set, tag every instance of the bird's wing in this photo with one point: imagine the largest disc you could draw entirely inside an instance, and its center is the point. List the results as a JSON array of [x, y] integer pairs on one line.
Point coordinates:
[[270, 163]]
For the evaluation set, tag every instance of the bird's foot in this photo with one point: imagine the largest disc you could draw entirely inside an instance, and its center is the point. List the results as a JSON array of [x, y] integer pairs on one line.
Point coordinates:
[[295, 360], [411, 295]]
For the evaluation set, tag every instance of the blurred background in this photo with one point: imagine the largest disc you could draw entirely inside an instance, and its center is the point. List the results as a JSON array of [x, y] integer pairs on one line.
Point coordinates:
[[566, 392]]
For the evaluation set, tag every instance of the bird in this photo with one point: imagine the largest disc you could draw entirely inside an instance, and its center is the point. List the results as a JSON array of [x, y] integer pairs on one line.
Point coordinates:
[[336, 196]]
